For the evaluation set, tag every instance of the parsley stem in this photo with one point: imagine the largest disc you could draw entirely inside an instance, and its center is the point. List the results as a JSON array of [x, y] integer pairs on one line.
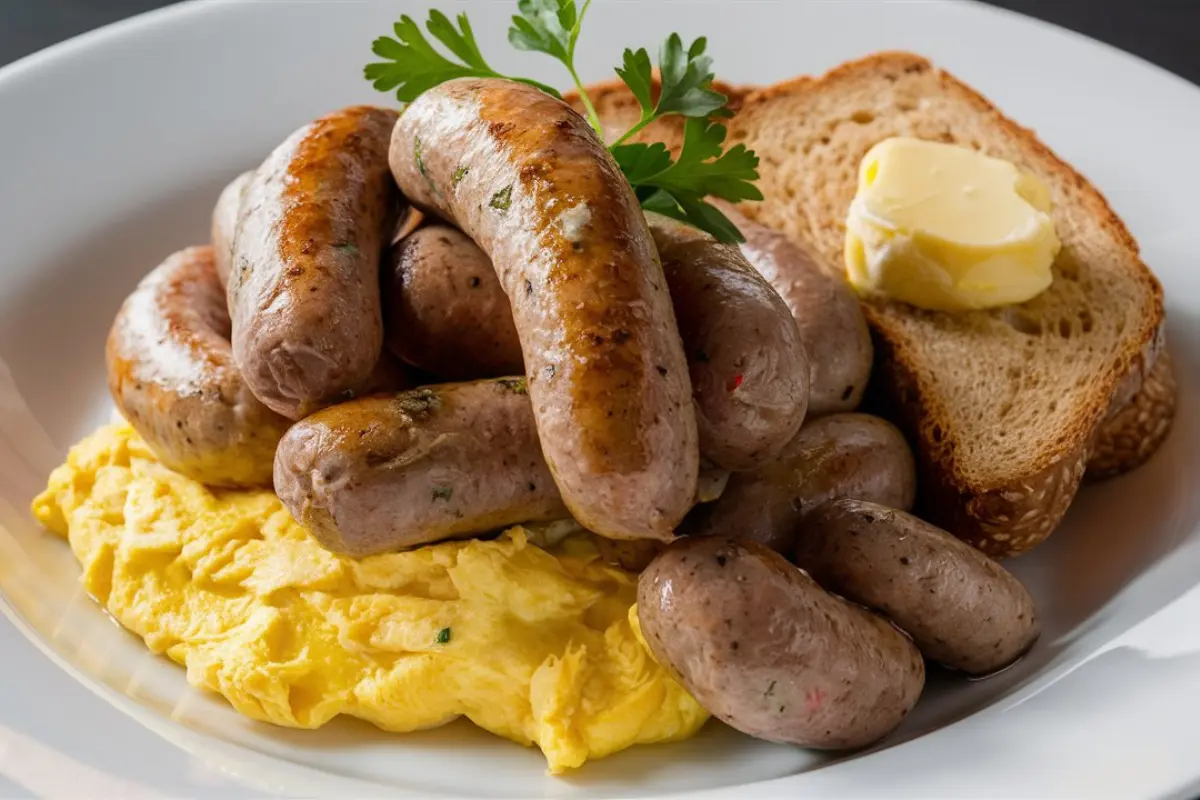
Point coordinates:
[[643, 122], [592, 116]]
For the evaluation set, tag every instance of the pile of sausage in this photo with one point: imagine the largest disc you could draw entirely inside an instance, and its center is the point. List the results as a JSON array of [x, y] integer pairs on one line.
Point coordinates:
[[611, 366]]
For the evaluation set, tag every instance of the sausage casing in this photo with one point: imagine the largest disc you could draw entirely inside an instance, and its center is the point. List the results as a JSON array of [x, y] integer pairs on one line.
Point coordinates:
[[172, 376], [446, 312], [840, 455], [961, 608], [224, 224], [765, 649], [825, 308], [304, 288], [526, 178], [444, 309], [387, 472], [748, 367]]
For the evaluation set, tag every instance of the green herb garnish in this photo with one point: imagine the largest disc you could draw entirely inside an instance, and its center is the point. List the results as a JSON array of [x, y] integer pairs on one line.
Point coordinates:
[[514, 385], [412, 64], [685, 82], [552, 27], [676, 187], [502, 199], [443, 636]]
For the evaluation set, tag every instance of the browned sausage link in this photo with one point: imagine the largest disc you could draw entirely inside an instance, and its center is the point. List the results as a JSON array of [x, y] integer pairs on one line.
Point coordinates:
[[962, 609], [748, 367], [444, 309], [766, 650], [224, 224], [446, 312], [825, 308], [527, 179], [842, 455], [383, 473], [304, 290], [171, 374]]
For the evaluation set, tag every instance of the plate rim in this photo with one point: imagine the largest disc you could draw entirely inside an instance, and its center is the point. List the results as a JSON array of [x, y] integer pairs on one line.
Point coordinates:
[[209, 748]]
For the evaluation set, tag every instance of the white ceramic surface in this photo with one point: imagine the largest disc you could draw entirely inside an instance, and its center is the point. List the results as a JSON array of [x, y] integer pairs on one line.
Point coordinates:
[[114, 148]]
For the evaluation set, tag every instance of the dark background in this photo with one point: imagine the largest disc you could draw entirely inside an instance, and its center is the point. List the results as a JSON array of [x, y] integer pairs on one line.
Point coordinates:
[[1166, 32]]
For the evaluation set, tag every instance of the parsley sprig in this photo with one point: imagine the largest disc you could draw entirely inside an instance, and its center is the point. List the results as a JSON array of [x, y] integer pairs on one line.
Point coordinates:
[[685, 83], [675, 186], [412, 64], [552, 27]]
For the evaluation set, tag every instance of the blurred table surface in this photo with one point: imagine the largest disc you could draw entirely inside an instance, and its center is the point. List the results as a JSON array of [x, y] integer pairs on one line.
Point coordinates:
[[1165, 32]]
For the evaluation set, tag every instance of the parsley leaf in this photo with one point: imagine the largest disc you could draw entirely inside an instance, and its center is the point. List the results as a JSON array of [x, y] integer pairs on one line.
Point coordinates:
[[552, 27], [703, 167], [638, 74], [677, 188], [641, 162], [546, 26], [412, 65], [685, 82]]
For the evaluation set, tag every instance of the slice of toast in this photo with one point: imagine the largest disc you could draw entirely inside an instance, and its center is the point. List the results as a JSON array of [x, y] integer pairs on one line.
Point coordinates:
[[1002, 405], [1127, 440]]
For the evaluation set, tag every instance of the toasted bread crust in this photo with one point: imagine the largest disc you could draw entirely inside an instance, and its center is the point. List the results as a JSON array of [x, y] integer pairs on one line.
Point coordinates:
[[1128, 439], [1003, 514], [1006, 514], [1001, 521]]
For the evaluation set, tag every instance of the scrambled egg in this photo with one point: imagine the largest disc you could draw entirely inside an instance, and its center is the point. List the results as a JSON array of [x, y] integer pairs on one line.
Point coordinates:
[[534, 645]]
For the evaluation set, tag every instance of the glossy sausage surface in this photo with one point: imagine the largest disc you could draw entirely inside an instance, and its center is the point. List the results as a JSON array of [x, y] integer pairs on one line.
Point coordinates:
[[825, 308], [962, 608], [444, 309], [748, 366], [529, 181], [224, 224], [172, 376], [840, 455], [765, 649], [388, 472], [304, 287]]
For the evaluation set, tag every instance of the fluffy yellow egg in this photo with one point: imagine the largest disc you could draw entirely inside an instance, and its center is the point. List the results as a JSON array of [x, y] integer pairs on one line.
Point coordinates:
[[534, 645]]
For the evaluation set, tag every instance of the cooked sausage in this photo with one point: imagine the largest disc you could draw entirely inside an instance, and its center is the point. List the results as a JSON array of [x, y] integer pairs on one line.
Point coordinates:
[[841, 455], [304, 289], [765, 649], [172, 376], [525, 177], [825, 308], [748, 367], [444, 308], [962, 608], [224, 224], [447, 313], [382, 473]]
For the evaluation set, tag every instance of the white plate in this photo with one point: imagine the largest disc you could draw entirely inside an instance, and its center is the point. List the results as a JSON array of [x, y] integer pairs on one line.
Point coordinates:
[[115, 146]]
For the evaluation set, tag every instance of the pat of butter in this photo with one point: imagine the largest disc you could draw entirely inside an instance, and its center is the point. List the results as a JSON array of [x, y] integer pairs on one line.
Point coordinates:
[[945, 227]]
